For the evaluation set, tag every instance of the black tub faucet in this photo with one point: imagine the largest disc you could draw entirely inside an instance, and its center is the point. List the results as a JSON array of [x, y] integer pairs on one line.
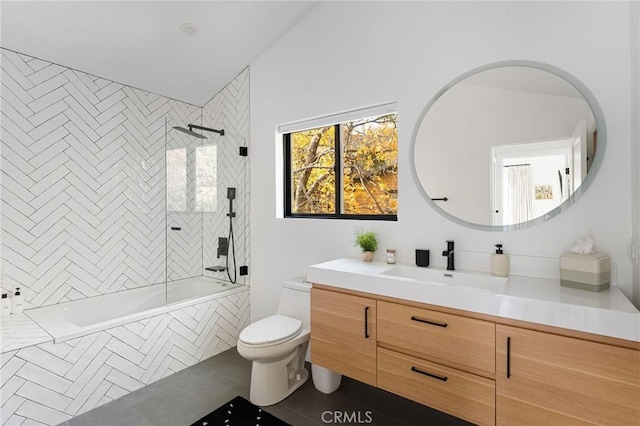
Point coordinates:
[[449, 253]]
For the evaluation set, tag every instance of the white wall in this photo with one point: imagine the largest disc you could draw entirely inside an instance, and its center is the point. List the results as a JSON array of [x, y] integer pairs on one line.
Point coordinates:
[[346, 55]]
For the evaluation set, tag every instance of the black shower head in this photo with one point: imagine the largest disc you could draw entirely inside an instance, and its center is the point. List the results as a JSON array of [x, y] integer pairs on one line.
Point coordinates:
[[190, 131]]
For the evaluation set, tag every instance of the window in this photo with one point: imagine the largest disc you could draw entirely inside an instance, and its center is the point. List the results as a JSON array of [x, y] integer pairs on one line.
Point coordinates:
[[345, 169]]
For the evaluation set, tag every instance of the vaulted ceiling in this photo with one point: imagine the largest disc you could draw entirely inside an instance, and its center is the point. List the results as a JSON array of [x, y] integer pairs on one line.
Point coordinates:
[[141, 44]]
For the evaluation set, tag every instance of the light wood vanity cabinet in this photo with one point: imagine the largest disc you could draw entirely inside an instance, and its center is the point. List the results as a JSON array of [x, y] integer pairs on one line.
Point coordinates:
[[484, 369], [548, 379], [343, 334]]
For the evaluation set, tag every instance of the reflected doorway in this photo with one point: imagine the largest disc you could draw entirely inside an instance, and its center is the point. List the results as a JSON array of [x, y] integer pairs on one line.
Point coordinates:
[[530, 179]]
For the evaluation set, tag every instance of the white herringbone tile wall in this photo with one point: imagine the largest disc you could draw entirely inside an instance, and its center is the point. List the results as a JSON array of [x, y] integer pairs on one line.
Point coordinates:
[[83, 182], [229, 110], [50, 383]]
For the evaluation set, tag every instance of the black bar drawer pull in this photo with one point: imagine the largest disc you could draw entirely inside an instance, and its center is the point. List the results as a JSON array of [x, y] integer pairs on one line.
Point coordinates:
[[176, 228], [366, 322], [439, 324], [435, 376], [508, 357]]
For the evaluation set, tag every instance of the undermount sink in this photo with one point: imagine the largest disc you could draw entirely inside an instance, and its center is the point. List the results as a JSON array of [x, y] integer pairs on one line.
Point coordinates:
[[467, 280]]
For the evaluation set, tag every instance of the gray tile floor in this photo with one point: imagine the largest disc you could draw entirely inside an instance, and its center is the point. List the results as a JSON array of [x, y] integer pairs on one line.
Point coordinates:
[[184, 397]]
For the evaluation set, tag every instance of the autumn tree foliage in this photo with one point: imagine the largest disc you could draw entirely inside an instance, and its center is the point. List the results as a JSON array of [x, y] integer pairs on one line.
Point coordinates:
[[369, 161]]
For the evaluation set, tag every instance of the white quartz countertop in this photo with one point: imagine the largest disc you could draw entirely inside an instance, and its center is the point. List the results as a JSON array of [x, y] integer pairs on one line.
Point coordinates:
[[536, 300], [18, 331]]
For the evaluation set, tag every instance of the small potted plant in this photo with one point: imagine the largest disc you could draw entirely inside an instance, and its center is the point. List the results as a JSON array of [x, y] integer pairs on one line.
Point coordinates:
[[368, 243]]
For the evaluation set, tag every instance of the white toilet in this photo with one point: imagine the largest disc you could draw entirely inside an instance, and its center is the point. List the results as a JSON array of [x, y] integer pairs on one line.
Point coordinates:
[[278, 344]]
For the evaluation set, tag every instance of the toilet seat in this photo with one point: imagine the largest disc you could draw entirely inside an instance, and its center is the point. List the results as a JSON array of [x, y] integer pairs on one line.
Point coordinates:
[[271, 331]]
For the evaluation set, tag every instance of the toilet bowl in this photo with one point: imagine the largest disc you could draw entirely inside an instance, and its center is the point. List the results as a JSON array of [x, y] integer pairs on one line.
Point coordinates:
[[278, 345]]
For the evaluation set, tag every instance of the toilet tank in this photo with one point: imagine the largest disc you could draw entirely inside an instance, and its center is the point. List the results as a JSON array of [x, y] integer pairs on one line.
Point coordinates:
[[295, 300]]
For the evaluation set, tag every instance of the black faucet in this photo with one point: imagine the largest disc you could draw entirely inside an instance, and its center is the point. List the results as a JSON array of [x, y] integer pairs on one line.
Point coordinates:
[[449, 253]]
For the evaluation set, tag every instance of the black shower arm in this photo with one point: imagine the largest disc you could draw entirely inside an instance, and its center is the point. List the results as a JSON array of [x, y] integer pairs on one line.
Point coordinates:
[[208, 129]]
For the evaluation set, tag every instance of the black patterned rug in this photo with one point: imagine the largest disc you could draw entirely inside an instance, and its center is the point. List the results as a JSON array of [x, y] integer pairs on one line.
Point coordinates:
[[239, 412]]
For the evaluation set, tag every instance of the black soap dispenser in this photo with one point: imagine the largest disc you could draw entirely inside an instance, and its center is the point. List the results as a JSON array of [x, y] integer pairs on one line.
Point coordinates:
[[6, 305], [499, 262]]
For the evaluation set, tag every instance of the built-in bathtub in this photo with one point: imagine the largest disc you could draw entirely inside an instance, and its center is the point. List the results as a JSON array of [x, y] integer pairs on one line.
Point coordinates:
[[77, 318], [107, 346]]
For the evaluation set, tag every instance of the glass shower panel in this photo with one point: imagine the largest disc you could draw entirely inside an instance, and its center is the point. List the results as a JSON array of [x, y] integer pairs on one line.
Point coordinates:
[[226, 229], [206, 211], [184, 222]]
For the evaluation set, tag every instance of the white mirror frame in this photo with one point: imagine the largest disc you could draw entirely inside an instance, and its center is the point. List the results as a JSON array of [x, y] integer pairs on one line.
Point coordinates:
[[593, 170]]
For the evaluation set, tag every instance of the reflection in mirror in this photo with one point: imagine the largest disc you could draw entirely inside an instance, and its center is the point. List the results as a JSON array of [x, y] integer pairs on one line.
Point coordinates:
[[505, 146]]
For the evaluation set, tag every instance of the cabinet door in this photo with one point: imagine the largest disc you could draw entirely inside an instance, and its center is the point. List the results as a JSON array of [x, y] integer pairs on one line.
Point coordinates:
[[545, 379], [343, 334]]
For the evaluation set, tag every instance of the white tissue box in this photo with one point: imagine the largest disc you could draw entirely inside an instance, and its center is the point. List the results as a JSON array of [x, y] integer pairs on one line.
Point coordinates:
[[585, 271]]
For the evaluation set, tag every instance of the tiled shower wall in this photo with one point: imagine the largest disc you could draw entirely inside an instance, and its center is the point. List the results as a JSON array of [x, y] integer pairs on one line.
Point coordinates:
[[83, 182]]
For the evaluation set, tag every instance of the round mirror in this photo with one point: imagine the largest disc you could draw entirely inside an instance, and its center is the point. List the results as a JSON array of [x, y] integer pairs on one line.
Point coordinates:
[[508, 145]]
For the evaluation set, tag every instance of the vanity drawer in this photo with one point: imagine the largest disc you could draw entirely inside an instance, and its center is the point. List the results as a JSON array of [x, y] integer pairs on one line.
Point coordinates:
[[461, 394], [464, 343]]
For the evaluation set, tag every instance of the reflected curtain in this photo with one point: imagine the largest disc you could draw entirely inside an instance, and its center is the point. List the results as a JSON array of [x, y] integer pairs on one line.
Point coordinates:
[[519, 194]]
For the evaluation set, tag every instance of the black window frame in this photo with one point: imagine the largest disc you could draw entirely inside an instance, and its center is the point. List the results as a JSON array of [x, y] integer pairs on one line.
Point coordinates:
[[288, 185]]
